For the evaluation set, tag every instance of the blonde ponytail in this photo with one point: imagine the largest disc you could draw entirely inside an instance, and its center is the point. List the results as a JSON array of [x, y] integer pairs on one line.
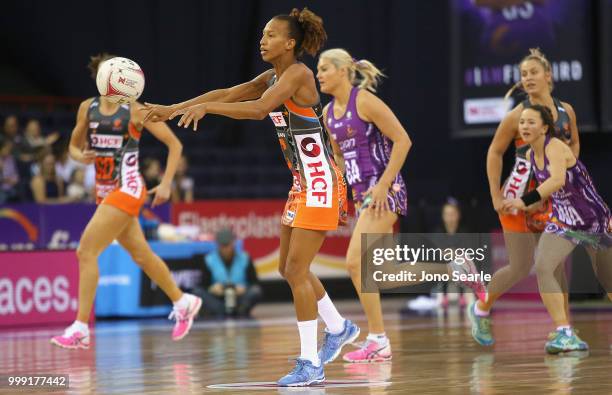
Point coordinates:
[[362, 73], [516, 86], [370, 75]]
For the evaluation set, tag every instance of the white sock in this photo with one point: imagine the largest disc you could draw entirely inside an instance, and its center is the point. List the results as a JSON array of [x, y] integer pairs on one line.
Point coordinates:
[[333, 320], [183, 302], [308, 341], [380, 338], [567, 329], [78, 326], [479, 312]]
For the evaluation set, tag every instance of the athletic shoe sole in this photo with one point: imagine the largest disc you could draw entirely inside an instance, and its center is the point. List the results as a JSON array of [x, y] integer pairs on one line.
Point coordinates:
[[305, 384], [60, 345]]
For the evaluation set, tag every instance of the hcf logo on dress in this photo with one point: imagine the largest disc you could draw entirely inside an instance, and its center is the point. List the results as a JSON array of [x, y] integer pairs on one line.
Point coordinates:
[[131, 183], [318, 174]]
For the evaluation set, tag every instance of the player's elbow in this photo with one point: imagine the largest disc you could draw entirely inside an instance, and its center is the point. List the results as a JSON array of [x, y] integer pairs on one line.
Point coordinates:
[[178, 146], [174, 144], [406, 142], [403, 144], [261, 109], [73, 151], [494, 153], [260, 114]]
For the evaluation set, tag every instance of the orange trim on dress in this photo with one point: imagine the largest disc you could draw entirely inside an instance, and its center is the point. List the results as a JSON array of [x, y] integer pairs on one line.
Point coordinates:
[[126, 203], [134, 132], [303, 111]]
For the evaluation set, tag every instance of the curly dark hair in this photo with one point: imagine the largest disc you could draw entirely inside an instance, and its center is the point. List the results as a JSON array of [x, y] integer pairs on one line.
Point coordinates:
[[306, 28]]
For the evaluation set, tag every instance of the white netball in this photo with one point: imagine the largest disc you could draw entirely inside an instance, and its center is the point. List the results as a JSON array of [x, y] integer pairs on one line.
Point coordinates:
[[120, 80]]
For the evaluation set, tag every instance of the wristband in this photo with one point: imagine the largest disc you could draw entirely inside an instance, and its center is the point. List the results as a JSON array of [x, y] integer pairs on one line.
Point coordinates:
[[531, 197]]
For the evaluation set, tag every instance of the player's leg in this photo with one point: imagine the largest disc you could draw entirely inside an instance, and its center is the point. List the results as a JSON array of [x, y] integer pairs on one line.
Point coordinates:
[[186, 306], [521, 248], [301, 245], [552, 252], [105, 225], [376, 347]]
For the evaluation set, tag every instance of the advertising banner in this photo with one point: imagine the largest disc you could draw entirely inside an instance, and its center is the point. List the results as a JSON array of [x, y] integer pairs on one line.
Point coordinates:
[[38, 287], [257, 223], [30, 226], [490, 37]]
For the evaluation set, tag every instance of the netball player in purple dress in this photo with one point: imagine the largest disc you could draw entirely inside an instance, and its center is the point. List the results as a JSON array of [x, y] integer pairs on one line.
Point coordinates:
[[372, 144], [579, 217]]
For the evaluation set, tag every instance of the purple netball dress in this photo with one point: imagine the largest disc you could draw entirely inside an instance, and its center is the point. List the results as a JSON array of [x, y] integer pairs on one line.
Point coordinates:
[[579, 214], [366, 154]]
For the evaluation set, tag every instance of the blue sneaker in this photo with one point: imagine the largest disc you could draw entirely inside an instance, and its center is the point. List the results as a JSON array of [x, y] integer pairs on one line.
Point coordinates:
[[332, 345], [564, 341], [582, 345], [481, 327], [304, 373]]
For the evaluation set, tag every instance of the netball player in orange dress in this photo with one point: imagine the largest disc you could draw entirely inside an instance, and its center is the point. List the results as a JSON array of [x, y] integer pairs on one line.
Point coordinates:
[[287, 94], [107, 134]]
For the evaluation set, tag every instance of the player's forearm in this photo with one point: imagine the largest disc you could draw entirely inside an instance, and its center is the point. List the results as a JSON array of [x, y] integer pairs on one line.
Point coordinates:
[[241, 110], [75, 153], [550, 186], [495, 163], [217, 95], [175, 149]]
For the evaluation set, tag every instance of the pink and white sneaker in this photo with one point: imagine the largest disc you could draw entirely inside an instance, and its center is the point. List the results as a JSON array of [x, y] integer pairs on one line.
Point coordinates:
[[370, 351], [472, 277], [71, 341], [184, 317]]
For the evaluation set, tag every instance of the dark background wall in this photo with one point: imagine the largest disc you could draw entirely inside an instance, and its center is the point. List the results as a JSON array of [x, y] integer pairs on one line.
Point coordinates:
[[187, 47]]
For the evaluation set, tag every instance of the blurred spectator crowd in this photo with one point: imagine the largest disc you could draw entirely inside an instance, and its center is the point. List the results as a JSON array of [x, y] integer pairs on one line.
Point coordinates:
[[35, 166]]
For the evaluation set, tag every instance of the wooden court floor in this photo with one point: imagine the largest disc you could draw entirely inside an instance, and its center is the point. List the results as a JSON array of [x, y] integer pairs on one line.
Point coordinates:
[[432, 354]]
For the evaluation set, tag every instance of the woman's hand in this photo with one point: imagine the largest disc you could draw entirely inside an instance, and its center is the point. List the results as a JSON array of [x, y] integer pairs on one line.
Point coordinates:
[[193, 113], [498, 204], [162, 194], [378, 198], [157, 112], [87, 156], [514, 204], [540, 206]]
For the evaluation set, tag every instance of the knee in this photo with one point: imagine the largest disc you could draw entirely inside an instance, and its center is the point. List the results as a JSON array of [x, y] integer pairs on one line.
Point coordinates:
[[543, 270], [282, 267], [282, 271], [353, 264], [85, 254], [295, 271], [522, 272]]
